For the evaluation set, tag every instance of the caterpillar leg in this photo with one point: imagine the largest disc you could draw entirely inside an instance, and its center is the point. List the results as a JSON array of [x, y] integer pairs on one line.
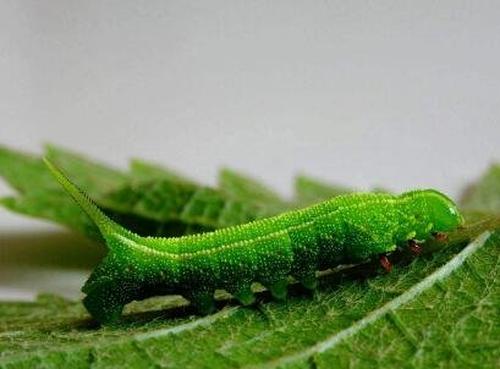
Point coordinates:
[[385, 263], [245, 295], [202, 301], [414, 247], [105, 301], [279, 289], [305, 253], [440, 236], [309, 281]]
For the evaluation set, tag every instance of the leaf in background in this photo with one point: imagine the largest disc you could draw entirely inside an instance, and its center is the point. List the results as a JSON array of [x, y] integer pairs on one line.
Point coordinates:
[[309, 190], [144, 171], [250, 191], [54, 206], [438, 311], [161, 204], [164, 201], [39, 194], [380, 189], [93, 177], [484, 195], [24, 172]]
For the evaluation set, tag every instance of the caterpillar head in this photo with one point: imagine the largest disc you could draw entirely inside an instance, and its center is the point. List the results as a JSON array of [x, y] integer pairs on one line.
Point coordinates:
[[437, 211], [443, 212]]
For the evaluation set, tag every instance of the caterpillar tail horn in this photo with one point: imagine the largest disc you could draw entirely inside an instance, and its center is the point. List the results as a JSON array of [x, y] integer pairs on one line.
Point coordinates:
[[108, 289], [106, 226]]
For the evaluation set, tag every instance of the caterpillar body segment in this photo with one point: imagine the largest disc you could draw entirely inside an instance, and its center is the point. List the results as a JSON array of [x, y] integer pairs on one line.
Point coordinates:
[[345, 229]]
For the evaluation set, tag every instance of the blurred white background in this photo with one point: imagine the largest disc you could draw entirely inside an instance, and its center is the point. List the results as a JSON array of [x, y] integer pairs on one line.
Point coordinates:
[[394, 93]]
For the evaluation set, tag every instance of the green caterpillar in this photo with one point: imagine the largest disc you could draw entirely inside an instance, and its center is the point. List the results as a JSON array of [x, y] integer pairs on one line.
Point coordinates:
[[345, 229]]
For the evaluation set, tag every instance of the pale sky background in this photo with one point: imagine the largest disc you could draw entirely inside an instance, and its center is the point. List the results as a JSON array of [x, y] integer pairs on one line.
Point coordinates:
[[395, 93]]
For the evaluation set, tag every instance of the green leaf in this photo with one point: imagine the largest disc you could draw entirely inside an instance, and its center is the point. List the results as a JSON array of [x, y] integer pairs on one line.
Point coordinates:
[[39, 194], [144, 171], [441, 310], [484, 196], [443, 320], [250, 191], [310, 190], [93, 177], [52, 205], [162, 202], [24, 172], [150, 200]]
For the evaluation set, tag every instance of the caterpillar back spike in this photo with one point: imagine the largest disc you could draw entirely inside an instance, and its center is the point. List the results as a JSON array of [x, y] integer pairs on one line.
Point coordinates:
[[107, 284], [346, 229]]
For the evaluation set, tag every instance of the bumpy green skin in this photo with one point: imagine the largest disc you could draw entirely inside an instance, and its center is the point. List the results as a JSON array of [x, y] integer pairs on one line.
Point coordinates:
[[345, 229]]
